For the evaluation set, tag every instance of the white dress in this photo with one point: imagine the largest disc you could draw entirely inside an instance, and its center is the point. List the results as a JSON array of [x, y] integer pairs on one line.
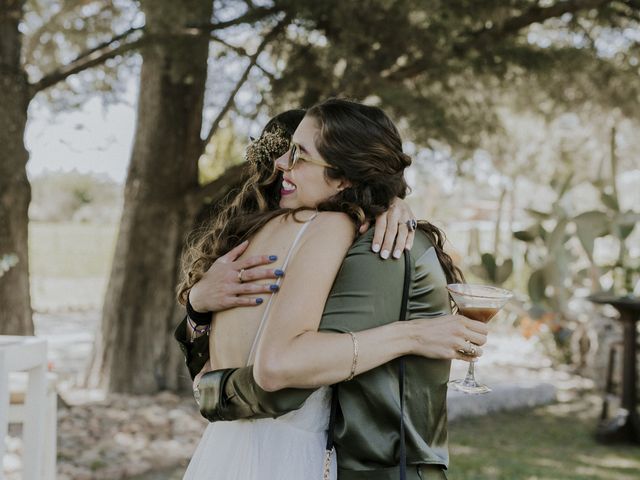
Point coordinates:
[[290, 447]]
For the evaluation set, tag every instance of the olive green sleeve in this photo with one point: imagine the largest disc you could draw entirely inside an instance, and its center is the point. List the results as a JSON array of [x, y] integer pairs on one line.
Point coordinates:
[[367, 291], [231, 394]]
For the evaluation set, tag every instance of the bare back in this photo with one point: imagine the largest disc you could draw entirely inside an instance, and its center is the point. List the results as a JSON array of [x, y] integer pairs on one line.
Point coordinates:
[[233, 331]]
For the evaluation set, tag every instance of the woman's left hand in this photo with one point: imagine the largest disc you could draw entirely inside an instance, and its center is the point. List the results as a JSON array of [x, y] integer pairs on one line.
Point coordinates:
[[391, 231]]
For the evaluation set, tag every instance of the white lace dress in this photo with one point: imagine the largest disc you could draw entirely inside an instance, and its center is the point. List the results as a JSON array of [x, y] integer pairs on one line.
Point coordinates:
[[290, 447]]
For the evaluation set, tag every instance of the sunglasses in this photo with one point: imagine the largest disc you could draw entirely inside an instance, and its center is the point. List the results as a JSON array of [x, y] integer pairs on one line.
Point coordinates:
[[294, 157]]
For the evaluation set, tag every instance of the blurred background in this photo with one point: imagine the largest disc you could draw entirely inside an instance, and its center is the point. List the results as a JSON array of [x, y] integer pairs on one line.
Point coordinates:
[[124, 122]]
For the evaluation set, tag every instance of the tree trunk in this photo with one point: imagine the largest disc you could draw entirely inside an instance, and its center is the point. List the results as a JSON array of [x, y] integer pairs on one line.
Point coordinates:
[[135, 353], [15, 191]]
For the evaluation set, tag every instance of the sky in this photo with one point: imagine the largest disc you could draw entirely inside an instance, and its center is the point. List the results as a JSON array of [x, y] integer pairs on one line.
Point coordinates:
[[96, 138]]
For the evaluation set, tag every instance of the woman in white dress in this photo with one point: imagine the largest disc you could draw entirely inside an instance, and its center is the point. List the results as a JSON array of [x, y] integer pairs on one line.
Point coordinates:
[[331, 201]]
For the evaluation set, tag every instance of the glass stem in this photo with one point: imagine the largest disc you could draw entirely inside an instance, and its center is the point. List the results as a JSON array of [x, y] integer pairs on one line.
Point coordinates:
[[470, 379]]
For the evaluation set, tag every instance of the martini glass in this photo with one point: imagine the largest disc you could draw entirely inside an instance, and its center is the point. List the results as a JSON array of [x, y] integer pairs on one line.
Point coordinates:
[[478, 302]]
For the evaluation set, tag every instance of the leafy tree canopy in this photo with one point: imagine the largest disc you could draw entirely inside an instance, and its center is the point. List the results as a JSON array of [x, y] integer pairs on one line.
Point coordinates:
[[446, 69]]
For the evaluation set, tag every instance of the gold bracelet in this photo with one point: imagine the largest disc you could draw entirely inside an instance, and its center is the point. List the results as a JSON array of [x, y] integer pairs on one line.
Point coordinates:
[[355, 356]]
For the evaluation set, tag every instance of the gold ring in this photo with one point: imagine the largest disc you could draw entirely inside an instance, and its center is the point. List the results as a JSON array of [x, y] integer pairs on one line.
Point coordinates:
[[240, 275]]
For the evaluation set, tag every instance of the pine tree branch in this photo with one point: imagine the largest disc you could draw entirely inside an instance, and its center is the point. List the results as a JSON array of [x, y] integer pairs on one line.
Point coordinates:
[[253, 59], [242, 52], [632, 10], [119, 45], [480, 39], [539, 15], [253, 15], [113, 47]]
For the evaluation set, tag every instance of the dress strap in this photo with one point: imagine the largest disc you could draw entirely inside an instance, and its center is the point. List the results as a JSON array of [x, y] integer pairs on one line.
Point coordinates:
[[278, 282]]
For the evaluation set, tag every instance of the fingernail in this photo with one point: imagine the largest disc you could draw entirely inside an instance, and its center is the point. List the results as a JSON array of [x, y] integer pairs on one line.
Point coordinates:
[[273, 258], [397, 254], [259, 301], [385, 254], [278, 272], [376, 247], [274, 287]]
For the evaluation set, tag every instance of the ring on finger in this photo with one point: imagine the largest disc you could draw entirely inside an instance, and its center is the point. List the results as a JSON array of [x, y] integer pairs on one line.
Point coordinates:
[[412, 224], [469, 350], [240, 275]]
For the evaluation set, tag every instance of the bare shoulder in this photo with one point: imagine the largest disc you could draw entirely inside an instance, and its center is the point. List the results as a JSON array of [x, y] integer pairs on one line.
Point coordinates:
[[323, 224], [336, 228], [334, 220]]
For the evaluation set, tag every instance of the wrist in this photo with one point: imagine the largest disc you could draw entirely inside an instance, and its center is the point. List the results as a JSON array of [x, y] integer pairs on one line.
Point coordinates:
[[401, 338], [199, 317], [195, 302], [196, 330], [411, 334]]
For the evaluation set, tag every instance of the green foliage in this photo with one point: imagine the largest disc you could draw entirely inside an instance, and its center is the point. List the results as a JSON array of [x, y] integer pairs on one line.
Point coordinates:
[[553, 256], [226, 149], [589, 226], [537, 285], [491, 271], [445, 67], [57, 32], [528, 235]]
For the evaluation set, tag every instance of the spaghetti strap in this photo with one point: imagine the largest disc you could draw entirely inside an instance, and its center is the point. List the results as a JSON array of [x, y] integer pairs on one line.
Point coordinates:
[[278, 281]]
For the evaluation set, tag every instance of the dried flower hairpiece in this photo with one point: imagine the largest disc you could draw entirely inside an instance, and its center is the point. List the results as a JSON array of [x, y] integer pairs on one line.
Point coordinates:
[[268, 147]]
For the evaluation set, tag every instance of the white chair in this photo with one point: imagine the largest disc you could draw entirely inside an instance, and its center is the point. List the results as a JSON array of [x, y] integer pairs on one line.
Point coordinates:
[[17, 414], [27, 357]]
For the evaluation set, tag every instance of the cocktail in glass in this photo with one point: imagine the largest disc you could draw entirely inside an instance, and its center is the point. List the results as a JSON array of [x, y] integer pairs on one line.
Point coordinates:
[[478, 302]]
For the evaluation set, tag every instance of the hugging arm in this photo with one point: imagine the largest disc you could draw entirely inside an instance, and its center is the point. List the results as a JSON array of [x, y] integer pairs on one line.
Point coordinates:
[[359, 302], [219, 288], [232, 394]]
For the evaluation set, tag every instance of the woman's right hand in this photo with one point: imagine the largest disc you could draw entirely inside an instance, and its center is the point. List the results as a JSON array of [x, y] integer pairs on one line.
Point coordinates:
[[446, 337], [220, 287]]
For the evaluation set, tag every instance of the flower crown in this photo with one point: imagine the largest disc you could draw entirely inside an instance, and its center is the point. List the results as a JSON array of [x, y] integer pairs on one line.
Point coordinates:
[[269, 146]]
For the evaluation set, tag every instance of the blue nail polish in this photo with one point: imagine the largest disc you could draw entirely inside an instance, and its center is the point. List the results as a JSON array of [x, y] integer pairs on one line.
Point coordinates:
[[278, 272], [259, 301], [273, 258], [274, 287]]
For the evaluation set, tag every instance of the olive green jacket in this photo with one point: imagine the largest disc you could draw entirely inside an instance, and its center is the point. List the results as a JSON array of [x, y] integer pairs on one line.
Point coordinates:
[[366, 293]]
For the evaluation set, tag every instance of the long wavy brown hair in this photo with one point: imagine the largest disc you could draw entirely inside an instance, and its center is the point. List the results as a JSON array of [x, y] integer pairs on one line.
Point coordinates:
[[252, 207], [364, 146]]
